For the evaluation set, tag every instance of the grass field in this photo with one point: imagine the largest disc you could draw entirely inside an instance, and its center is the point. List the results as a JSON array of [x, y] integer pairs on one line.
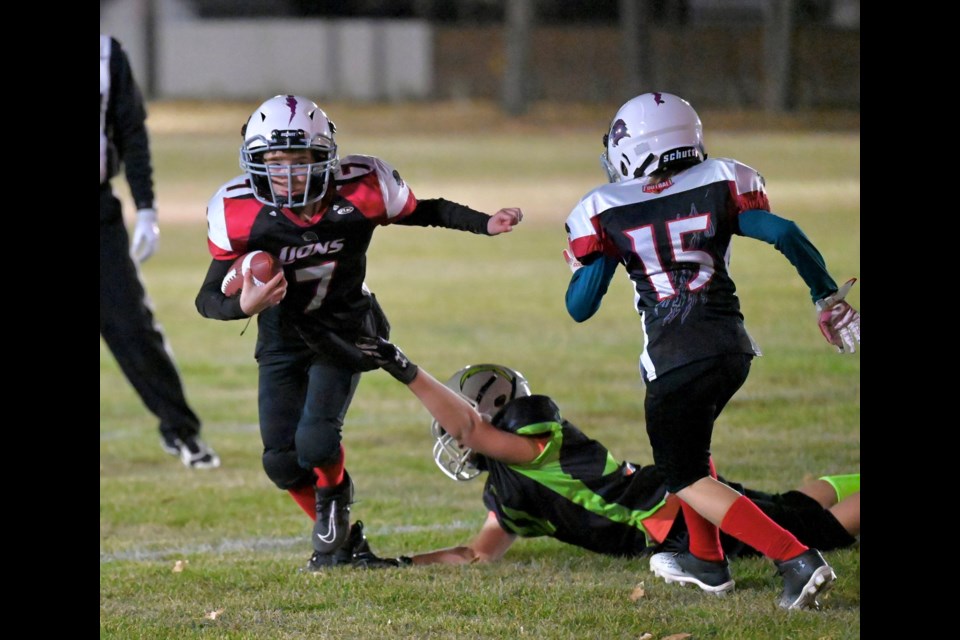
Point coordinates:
[[455, 299]]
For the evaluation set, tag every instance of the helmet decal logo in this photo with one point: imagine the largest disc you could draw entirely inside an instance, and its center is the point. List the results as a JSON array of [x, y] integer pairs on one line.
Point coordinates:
[[618, 132], [292, 103], [658, 98]]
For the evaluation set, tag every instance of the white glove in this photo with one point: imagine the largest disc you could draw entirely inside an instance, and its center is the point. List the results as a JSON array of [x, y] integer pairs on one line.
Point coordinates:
[[839, 322], [572, 262], [146, 235]]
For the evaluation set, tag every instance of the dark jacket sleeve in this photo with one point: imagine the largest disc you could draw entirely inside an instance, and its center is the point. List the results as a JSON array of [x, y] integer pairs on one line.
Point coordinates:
[[211, 303], [450, 215], [126, 121]]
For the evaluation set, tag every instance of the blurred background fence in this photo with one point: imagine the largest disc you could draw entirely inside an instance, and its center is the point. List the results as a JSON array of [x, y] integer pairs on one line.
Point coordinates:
[[777, 55]]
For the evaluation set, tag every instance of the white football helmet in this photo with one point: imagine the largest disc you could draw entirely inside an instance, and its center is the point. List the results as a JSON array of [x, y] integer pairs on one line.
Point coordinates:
[[285, 123], [488, 387], [651, 133]]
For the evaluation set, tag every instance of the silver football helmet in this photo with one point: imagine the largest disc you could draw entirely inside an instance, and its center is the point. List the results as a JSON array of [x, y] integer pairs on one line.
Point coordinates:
[[288, 123], [488, 387], [650, 133]]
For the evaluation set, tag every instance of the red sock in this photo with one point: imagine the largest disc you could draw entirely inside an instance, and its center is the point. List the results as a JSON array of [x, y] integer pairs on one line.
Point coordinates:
[[704, 535], [331, 475], [746, 522], [306, 497]]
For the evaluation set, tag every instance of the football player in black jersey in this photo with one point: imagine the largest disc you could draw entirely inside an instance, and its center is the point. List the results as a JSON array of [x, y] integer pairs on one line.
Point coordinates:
[[547, 478], [300, 201], [668, 216]]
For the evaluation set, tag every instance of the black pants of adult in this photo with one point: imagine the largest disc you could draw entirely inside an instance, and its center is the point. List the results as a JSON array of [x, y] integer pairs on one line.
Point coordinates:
[[128, 327], [681, 407]]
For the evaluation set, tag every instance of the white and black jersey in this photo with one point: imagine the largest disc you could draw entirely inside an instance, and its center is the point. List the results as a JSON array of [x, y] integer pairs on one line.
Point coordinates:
[[673, 237]]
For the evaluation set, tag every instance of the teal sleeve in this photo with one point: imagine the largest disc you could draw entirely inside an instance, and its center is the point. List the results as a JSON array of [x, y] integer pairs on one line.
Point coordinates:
[[588, 286], [789, 240]]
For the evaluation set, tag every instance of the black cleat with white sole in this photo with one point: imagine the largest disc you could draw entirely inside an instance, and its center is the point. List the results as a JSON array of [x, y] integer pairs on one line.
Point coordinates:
[[805, 577], [332, 526], [686, 568], [193, 452]]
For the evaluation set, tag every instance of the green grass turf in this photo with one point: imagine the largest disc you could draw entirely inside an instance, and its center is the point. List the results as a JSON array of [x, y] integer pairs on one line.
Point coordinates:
[[456, 299]]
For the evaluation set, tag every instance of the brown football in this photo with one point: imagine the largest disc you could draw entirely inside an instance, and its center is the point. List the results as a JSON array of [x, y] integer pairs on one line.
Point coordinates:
[[263, 265]]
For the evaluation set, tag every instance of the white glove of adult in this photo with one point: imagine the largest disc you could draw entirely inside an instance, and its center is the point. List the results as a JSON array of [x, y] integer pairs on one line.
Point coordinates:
[[146, 235], [839, 322]]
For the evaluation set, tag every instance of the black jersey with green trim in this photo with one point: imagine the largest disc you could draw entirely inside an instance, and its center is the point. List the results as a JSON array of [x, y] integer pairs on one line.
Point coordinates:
[[324, 258], [673, 238], [576, 492]]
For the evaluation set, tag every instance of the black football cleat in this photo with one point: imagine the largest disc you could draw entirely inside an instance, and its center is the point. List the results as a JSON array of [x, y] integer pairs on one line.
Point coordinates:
[[805, 577], [332, 526], [343, 556], [686, 568]]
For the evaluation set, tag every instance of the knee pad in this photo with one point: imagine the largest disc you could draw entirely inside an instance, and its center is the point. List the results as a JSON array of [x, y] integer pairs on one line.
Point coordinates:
[[283, 469], [318, 447]]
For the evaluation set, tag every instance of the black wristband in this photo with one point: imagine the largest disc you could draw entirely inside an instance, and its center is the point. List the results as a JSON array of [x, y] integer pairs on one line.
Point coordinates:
[[405, 374]]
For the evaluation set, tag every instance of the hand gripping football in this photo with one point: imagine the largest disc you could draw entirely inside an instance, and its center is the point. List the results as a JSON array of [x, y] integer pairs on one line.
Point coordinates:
[[262, 264]]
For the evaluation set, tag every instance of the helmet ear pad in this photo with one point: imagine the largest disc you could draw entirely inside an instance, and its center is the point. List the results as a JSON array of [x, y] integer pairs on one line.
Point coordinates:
[[525, 411]]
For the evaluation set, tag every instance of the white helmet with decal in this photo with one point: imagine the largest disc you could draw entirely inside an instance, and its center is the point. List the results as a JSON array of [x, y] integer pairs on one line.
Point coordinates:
[[288, 123], [652, 133]]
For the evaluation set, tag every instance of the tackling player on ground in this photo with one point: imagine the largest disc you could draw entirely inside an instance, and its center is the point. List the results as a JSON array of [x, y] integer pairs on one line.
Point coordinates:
[[299, 200], [668, 217], [547, 478]]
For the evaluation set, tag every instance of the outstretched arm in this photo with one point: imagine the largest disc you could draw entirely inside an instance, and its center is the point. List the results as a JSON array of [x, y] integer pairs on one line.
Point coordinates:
[[489, 545], [839, 322], [467, 426], [438, 212], [452, 411], [789, 240]]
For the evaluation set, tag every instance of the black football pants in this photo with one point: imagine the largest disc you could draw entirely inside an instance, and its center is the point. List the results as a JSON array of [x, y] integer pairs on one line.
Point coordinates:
[[302, 402], [681, 408]]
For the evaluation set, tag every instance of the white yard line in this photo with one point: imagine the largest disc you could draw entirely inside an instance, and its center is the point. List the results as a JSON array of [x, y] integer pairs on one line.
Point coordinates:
[[262, 544]]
